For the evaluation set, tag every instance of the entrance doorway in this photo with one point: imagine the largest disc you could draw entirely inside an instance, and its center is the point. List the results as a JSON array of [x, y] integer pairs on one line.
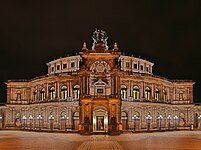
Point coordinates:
[[124, 119], [100, 119], [100, 123], [75, 120]]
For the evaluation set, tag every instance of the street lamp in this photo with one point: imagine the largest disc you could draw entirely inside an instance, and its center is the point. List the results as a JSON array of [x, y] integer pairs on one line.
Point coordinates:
[[30, 121], [135, 118], [160, 118], [199, 118], [51, 118], [149, 117], [39, 120], [24, 120], [67, 121], [175, 121], [169, 119]]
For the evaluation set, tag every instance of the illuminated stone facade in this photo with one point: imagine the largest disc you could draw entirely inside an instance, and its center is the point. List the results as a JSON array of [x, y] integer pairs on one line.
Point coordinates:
[[100, 90]]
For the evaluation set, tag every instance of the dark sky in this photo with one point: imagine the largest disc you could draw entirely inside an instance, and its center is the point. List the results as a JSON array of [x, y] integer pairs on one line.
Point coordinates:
[[167, 33]]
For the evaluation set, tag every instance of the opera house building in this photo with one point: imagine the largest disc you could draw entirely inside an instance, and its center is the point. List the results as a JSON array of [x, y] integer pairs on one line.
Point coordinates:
[[99, 90]]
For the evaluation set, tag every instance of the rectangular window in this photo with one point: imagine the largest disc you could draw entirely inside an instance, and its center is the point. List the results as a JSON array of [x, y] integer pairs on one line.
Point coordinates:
[[147, 69], [52, 69], [141, 67], [64, 66], [135, 66], [58, 67], [72, 64], [99, 91]]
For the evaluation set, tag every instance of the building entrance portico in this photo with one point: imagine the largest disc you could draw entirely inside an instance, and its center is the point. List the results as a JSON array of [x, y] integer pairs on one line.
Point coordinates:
[[100, 119]]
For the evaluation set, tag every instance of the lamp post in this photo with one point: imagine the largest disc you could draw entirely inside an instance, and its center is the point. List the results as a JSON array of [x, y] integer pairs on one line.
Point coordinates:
[[199, 123], [175, 121], [39, 120], [135, 118], [169, 119], [24, 120], [30, 121], [51, 118], [149, 117], [67, 122], [160, 118]]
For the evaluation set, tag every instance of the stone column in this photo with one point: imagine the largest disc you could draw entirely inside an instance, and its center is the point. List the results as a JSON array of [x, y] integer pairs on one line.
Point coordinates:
[[38, 94], [70, 84], [68, 88], [152, 92], [46, 92], [57, 90]]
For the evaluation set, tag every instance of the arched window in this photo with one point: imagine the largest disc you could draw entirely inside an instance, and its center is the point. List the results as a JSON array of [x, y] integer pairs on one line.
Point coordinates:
[[164, 96], [76, 114], [136, 92], [35, 95], [123, 92], [64, 92], [52, 93], [123, 114], [156, 96], [42, 94], [147, 93], [76, 92]]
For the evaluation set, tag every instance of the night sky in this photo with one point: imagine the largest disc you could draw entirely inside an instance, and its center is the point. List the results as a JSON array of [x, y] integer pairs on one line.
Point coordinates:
[[167, 33]]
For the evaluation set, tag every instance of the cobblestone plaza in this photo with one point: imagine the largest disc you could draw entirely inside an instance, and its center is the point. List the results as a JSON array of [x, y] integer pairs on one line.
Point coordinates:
[[20, 140]]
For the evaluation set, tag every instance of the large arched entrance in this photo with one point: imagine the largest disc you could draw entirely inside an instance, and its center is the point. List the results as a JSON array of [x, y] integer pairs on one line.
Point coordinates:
[[100, 119]]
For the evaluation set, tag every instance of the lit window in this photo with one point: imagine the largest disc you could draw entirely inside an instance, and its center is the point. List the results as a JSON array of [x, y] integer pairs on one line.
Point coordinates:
[[147, 93], [63, 92], [52, 93], [156, 96], [123, 92], [136, 92], [42, 94], [164, 96], [35, 95], [76, 92]]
